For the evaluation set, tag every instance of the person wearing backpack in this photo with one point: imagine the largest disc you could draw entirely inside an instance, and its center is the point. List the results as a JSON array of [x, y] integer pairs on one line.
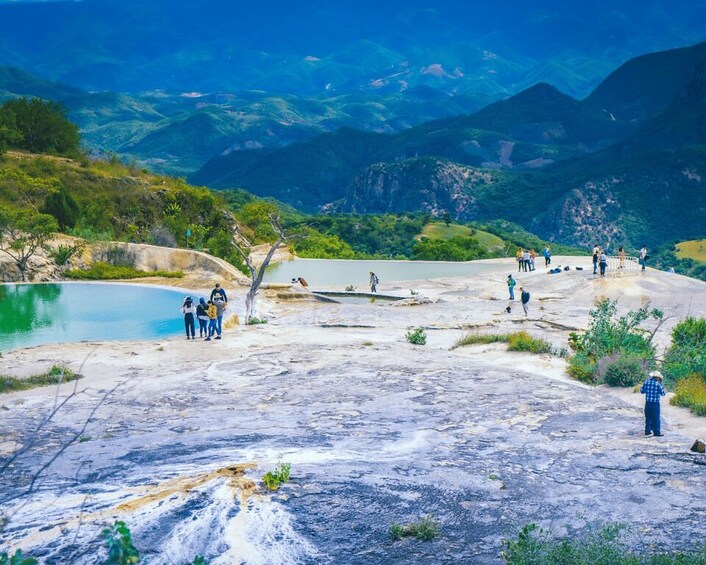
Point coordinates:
[[511, 286], [525, 298], [374, 280]]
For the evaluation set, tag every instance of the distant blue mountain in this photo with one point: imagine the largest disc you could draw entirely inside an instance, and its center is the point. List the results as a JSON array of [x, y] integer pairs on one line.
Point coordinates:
[[320, 47]]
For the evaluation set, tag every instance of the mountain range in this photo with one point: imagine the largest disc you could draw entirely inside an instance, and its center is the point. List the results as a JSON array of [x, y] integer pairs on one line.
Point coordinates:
[[627, 163]]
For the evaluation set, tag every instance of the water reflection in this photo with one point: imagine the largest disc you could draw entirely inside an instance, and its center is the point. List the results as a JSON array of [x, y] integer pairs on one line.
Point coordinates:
[[25, 308]]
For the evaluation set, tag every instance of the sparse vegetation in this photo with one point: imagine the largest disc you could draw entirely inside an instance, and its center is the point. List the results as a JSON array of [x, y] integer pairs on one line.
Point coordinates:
[[105, 271], [425, 529], [417, 336], [516, 341], [277, 477], [350, 288], [53, 376], [608, 545], [16, 559], [256, 321], [481, 339], [690, 392]]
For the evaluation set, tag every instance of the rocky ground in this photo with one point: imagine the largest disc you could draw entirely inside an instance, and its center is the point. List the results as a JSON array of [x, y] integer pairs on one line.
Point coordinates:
[[377, 431]]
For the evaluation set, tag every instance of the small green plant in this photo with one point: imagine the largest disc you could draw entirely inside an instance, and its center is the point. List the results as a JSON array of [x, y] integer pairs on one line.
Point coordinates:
[[199, 560], [425, 529], [417, 336], [413, 292], [350, 288], [280, 475], [118, 540], [256, 321], [84, 439], [62, 254], [16, 559], [367, 343], [53, 376]]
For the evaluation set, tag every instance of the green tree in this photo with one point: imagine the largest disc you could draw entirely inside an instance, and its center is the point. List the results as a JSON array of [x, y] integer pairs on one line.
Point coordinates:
[[63, 207], [41, 127], [23, 233], [455, 249]]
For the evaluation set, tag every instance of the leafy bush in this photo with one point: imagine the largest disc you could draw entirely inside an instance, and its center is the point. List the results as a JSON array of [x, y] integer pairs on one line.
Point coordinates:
[[104, 271], [280, 475], [255, 321], [425, 529], [582, 368], [690, 392], [624, 371], [687, 353], [610, 336], [522, 341], [53, 376], [118, 540], [605, 546], [62, 254], [417, 336], [454, 249]]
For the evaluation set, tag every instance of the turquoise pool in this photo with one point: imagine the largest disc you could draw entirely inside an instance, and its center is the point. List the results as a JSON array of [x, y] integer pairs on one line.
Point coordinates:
[[35, 314]]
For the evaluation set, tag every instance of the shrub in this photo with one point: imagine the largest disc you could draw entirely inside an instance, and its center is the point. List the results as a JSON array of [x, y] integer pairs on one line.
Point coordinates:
[[118, 540], [255, 321], [417, 336], [62, 254], [690, 392], [425, 529], [687, 353], [624, 371], [16, 559], [280, 475], [350, 288], [162, 236], [104, 271], [582, 368], [522, 341]]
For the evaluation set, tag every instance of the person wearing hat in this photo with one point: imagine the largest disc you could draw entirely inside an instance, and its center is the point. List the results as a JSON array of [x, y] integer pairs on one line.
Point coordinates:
[[511, 286], [653, 389], [188, 309]]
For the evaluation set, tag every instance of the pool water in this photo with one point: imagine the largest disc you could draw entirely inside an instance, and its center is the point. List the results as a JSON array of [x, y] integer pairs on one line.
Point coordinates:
[[35, 314], [344, 272]]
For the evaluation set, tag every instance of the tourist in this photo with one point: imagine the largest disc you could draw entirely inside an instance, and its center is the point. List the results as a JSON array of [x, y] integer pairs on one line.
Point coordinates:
[[212, 313], [621, 257], [525, 260], [202, 317], [511, 286], [603, 262], [188, 309], [302, 282], [218, 290], [374, 280], [533, 256], [653, 389], [525, 298], [518, 258], [220, 305], [596, 254], [671, 270], [547, 256], [644, 257]]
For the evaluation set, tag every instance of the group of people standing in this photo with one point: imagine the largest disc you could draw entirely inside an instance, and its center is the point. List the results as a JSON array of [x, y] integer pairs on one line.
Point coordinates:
[[209, 314]]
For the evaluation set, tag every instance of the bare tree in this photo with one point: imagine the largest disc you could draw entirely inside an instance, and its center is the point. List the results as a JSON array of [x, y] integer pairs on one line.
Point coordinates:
[[257, 273]]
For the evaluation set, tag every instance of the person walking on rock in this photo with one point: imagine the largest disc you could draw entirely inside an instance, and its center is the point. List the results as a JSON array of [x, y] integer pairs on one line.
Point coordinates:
[[518, 258], [653, 389], [643, 257], [603, 262], [374, 280], [202, 317], [526, 261], [596, 254], [511, 286], [212, 313], [220, 305], [188, 309], [525, 298]]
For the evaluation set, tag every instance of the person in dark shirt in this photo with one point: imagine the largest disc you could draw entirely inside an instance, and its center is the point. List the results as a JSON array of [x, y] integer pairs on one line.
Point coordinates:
[[218, 290], [202, 317], [525, 298], [653, 389]]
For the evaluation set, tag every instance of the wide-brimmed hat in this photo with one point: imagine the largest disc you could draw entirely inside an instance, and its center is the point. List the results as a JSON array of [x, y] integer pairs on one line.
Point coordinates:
[[656, 375]]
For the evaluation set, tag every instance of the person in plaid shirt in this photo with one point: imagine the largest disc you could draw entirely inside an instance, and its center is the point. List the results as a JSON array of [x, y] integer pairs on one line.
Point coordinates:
[[653, 389]]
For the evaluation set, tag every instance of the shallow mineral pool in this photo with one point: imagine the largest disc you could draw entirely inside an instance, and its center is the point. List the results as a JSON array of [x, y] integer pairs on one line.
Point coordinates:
[[36, 314]]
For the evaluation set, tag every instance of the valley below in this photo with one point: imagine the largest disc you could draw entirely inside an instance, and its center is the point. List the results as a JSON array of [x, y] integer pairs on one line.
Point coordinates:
[[172, 436]]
